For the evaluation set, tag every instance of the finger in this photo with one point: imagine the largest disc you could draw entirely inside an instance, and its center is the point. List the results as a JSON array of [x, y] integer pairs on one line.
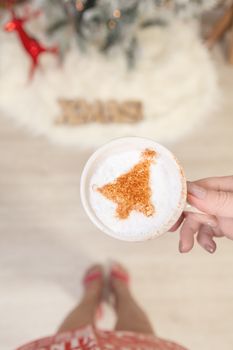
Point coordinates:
[[204, 219], [191, 225], [205, 239], [223, 183], [217, 232], [210, 221], [219, 203], [226, 227], [187, 232], [177, 224]]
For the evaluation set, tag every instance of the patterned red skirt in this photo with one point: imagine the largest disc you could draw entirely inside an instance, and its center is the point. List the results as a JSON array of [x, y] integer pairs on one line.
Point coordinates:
[[89, 338]]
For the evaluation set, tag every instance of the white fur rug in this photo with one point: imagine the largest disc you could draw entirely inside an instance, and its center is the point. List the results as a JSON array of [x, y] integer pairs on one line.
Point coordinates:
[[174, 78]]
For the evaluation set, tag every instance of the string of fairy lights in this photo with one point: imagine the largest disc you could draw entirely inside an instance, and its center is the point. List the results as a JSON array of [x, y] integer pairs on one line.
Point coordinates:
[[106, 24], [115, 14]]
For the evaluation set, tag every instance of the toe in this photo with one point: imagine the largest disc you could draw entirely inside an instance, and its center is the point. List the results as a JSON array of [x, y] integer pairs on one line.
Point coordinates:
[[94, 268], [119, 272]]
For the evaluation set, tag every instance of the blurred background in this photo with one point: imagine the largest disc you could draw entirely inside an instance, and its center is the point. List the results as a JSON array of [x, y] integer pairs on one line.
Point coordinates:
[[76, 74]]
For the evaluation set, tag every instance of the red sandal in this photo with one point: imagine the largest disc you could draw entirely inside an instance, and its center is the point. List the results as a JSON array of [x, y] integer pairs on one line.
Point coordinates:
[[91, 276], [118, 272]]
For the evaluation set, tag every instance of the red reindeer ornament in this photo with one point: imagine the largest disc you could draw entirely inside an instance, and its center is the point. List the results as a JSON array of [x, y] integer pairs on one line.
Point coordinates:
[[32, 46]]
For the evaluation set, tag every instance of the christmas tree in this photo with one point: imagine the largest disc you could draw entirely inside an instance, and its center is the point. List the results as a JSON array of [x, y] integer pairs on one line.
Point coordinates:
[[105, 24]]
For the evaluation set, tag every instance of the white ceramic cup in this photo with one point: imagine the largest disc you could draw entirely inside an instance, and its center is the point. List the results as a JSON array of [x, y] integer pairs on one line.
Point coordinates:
[[118, 146]]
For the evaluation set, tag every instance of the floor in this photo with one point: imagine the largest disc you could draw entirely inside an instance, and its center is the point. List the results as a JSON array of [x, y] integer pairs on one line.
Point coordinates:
[[46, 242]]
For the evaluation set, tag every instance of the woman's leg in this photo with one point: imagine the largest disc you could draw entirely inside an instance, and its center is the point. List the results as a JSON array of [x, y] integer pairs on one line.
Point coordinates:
[[84, 313], [130, 316]]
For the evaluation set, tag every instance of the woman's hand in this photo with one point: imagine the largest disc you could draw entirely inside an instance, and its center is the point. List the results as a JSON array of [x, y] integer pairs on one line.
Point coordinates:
[[214, 197]]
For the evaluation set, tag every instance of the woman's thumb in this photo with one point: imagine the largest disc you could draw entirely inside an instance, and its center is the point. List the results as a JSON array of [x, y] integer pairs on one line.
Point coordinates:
[[219, 203]]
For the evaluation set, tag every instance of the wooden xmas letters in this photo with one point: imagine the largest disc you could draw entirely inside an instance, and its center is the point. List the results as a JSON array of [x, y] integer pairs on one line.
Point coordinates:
[[80, 111]]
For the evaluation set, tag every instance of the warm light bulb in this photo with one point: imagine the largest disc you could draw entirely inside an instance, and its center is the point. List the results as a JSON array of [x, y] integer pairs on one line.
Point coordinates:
[[79, 6], [117, 13]]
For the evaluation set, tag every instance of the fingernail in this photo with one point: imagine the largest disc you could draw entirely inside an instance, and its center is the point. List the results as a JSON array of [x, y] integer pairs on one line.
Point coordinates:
[[181, 249], [196, 191], [210, 249]]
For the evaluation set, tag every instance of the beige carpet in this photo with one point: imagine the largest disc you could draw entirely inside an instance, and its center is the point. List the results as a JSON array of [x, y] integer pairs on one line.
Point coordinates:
[[46, 241]]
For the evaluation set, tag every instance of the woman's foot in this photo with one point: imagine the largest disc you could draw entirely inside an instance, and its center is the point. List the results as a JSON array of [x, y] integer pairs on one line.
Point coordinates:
[[130, 316], [119, 283], [93, 282], [84, 313]]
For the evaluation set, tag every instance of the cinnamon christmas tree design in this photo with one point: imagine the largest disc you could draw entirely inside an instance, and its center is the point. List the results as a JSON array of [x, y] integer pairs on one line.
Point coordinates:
[[131, 191]]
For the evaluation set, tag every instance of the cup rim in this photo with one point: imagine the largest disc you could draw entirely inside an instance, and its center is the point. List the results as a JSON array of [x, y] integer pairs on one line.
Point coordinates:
[[98, 223]]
